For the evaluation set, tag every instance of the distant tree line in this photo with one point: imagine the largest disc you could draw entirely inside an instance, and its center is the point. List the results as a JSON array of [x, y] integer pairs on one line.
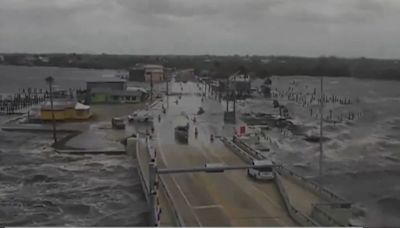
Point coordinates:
[[223, 66]]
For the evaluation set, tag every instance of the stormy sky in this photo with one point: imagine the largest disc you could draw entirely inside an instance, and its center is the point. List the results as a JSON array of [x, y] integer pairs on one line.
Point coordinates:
[[349, 28]]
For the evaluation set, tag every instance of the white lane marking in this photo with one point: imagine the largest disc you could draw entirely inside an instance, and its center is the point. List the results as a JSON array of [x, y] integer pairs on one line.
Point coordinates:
[[208, 206], [266, 196], [187, 201], [177, 185]]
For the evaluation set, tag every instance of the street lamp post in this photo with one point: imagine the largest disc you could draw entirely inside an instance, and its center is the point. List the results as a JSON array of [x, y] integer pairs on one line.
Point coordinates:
[[321, 129], [50, 81]]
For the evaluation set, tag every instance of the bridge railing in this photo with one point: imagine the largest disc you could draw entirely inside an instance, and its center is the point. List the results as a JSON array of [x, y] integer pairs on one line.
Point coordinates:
[[244, 146], [234, 148], [313, 186], [283, 170], [170, 202], [151, 152], [143, 179], [295, 214], [320, 213]]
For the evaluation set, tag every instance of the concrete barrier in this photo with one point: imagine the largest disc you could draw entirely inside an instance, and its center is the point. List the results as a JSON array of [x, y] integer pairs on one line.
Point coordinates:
[[323, 212], [324, 192], [132, 147], [171, 203], [256, 154], [239, 152], [145, 180], [295, 214]]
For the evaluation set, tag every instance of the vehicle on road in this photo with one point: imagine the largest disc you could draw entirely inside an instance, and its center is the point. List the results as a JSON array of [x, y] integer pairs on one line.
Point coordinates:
[[117, 123], [141, 116], [196, 133], [265, 173], [200, 111], [182, 129]]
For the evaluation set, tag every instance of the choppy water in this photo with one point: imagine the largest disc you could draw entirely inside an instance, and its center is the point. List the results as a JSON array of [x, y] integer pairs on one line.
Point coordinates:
[[362, 157], [19, 77], [40, 187]]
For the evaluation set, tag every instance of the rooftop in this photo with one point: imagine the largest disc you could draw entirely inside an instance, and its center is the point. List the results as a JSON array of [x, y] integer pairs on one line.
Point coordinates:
[[107, 79], [240, 77]]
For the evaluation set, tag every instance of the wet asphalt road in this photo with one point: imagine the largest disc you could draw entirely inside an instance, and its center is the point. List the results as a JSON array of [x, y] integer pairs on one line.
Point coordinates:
[[204, 199]]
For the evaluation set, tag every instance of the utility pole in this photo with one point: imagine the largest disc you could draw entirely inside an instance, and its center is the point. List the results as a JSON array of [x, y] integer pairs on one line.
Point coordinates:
[[321, 129], [166, 82], [227, 95], [50, 81], [234, 105], [151, 87], [152, 193]]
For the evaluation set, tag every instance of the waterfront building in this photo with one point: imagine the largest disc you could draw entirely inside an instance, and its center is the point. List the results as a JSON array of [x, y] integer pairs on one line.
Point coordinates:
[[64, 110], [146, 73], [113, 91]]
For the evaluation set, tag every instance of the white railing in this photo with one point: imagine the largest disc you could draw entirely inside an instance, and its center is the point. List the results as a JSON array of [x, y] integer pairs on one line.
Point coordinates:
[[160, 182]]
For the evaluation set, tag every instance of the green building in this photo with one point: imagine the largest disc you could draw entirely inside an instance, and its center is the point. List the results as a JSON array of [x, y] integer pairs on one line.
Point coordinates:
[[113, 91]]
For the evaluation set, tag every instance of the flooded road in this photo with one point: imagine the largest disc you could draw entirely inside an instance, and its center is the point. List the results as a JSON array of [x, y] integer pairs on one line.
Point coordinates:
[[361, 157]]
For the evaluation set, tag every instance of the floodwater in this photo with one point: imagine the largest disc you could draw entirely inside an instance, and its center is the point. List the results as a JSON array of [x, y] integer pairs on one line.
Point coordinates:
[[43, 188], [39, 187], [362, 156]]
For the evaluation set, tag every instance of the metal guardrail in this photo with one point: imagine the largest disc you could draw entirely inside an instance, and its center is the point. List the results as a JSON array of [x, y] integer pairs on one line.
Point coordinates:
[[248, 149], [139, 168], [313, 186], [295, 214], [330, 219], [171, 203], [283, 170], [162, 185], [233, 147]]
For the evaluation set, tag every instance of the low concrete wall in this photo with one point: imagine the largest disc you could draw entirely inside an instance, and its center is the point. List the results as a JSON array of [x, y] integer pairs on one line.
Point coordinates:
[[239, 152], [324, 192], [171, 203], [312, 186], [335, 213], [133, 149], [295, 214], [323, 212]]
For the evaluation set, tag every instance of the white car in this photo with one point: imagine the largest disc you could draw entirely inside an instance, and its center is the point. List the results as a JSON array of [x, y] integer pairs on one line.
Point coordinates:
[[141, 116], [265, 173]]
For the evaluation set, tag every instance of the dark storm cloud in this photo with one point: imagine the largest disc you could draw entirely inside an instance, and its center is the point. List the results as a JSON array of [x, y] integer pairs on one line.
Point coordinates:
[[297, 27]]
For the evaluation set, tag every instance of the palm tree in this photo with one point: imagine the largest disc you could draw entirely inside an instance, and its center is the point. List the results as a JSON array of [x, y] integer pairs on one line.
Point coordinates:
[[50, 81]]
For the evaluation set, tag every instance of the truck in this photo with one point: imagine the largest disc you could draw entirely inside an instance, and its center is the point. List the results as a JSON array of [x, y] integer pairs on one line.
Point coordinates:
[[117, 123], [264, 174], [181, 129]]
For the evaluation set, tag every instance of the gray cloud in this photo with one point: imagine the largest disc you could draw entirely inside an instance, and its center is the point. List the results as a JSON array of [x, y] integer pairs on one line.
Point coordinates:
[[302, 27]]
